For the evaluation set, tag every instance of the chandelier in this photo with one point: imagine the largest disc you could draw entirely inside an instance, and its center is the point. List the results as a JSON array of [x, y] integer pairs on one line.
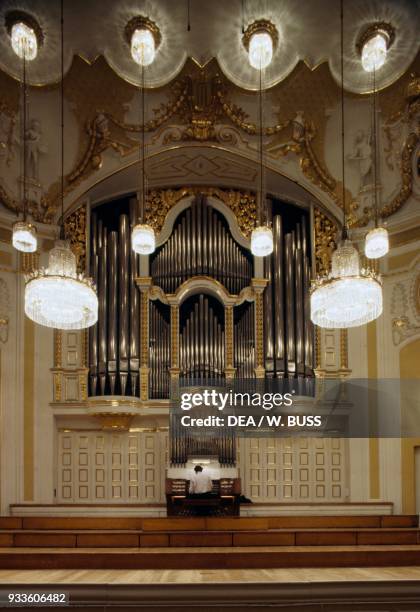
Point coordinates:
[[260, 40], [349, 295], [144, 37], [24, 41], [373, 45], [58, 296]]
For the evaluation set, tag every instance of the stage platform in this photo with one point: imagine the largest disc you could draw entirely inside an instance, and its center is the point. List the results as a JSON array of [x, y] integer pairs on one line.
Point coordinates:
[[159, 510], [192, 543]]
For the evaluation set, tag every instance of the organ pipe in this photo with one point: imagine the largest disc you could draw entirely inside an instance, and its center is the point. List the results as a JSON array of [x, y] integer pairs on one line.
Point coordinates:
[[124, 296]]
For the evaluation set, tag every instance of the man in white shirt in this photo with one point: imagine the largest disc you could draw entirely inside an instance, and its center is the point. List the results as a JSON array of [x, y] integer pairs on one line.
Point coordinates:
[[200, 484]]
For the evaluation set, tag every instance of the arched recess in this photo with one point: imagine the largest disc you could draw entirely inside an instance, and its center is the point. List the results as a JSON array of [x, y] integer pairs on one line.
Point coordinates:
[[409, 369]]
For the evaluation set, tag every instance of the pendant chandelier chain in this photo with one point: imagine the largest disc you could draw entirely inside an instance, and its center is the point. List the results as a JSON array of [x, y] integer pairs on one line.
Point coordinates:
[[375, 152], [142, 148], [345, 228], [62, 228], [260, 133], [24, 128]]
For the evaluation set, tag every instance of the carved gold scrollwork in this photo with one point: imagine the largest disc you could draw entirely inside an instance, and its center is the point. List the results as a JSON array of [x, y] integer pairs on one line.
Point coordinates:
[[75, 227], [325, 241], [243, 205]]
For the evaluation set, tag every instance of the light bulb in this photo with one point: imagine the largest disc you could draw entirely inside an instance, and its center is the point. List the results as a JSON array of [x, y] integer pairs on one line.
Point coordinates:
[[262, 241], [24, 237], [374, 52], [143, 47], [24, 41], [260, 51], [376, 243], [143, 239]]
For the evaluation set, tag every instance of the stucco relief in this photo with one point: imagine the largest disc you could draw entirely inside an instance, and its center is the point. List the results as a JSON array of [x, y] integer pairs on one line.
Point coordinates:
[[405, 307]]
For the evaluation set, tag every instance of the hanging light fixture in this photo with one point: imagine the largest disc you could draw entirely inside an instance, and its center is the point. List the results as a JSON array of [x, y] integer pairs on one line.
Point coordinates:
[[58, 296], [144, 36], [260, 39], [349, 296], [373, 45], [24, 43], [377, 240]]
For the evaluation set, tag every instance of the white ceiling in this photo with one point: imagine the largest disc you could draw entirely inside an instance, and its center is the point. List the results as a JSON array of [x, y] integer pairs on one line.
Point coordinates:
[[309, 31]]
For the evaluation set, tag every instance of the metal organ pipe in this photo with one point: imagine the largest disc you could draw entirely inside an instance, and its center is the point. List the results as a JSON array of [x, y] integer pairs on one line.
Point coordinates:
[[299, 303], [134, 308], [124, 295], [103, 306], [112, 310]]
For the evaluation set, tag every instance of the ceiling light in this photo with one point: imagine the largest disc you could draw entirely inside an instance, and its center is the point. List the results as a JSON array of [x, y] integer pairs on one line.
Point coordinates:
[[24, 42], [262, 241], [143, 36], [377, 243], [58, 296], [25, 34], [348, 297], [260, 40], [373, 45], [143, 239], [142, 47], [24, 237]]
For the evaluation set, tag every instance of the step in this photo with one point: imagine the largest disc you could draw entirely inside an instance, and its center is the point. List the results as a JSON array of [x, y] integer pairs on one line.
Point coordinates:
[[211, 558], [208, 523], [269, 538]]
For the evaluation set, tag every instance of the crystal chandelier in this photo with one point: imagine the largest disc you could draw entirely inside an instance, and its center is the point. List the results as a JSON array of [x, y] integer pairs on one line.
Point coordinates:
[[58, 296], [143, 34], [259, 40], [25, 44], [24, 40], [373, 45], [348, 296]]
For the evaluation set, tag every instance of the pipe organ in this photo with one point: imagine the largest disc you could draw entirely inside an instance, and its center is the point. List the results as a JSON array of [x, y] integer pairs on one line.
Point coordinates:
[[200, 337], [201, 244]]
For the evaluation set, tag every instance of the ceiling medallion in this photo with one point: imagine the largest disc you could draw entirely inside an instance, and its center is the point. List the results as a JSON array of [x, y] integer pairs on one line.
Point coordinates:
[[25, 33], [373, 45]]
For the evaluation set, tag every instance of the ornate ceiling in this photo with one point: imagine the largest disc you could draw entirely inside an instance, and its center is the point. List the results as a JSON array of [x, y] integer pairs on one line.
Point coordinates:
[[308, 31], [201, 128]]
